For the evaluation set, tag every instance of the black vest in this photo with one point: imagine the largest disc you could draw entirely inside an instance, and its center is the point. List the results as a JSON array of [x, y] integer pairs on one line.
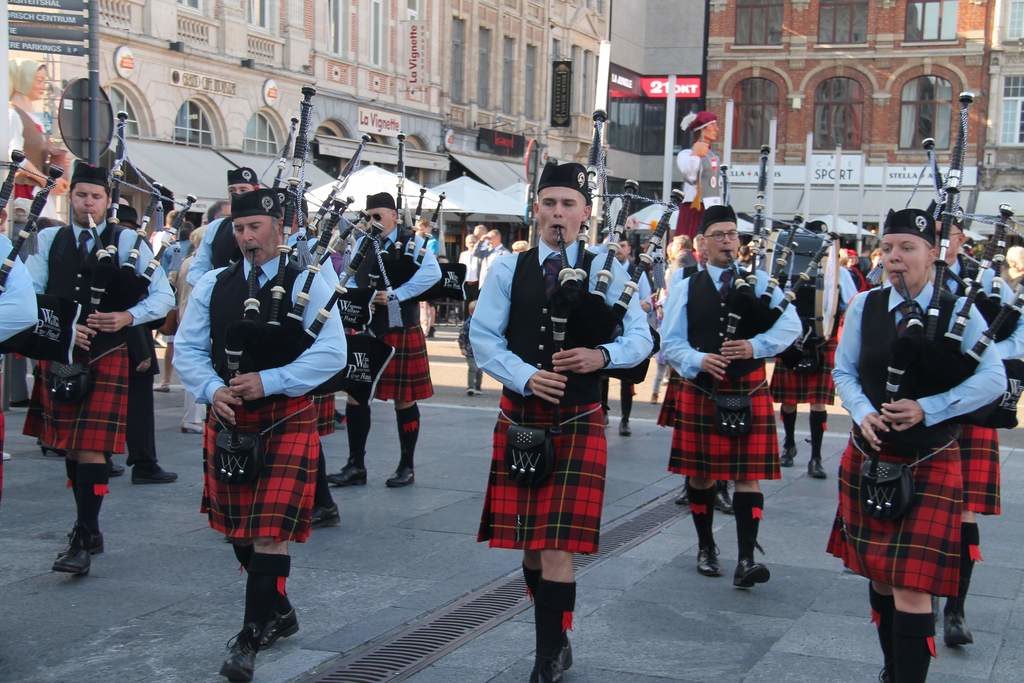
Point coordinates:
[[529, 326], [227, 303], [877, 331], [224, 249], [399, 268], [707, 316]]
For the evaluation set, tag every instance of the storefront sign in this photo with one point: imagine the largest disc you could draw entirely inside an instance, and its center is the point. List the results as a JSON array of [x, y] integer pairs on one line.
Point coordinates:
[[378, 122], [626, 84], [413, 35], [196, 81], [561, 94], [271, 95], [823, 172], [124, 62], [496, 142]]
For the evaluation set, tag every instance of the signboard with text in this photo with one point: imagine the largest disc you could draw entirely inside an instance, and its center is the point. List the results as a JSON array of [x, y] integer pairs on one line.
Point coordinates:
[[415, 56], [823, 173], [561, 93], [60, 32], [496, 142], [626, 84], [379, 122]]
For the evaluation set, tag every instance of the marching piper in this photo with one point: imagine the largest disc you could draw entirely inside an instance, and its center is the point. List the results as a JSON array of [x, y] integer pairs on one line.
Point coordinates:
[[512, 338], [258, 495], [218, 247]]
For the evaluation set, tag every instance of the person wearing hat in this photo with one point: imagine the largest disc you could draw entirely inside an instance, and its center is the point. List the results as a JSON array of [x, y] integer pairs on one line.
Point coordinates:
[[919, 431], [406, 379], [512, 341], [702, 186], [87, 428], [218, 247], [259, 517], [693, 342]]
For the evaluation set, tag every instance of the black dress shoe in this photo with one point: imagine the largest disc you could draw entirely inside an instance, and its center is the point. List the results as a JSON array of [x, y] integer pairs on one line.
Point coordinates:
[[152, 475], [325, 515], [624, 429], [955, 631], [404, 476], [707, 562], [815, 470], [723, 501], [565, 654], [350, 475], [547, 671], [788, 453], [279, 626], [114, 469], [75, 559], [683, 498], [241, 659], [93, 542], [749, 572]]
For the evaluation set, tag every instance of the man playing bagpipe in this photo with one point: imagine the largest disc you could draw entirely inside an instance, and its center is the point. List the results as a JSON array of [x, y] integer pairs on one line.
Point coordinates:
[[81, 408], [260, 444], [406, 379], [546, 484], [218, 247], [717, 333], [898, 522]]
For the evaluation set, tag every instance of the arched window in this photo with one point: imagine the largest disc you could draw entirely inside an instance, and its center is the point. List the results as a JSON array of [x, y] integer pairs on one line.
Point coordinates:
[[759, 22], [926, 109], [843, 21], [260, 137], [757, 102], [119, 102], [192, 126], [838, 108]]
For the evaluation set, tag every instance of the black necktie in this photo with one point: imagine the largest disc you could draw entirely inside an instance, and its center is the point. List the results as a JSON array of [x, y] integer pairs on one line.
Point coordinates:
[[258, 274], [726, 279], [83, 246], [552, 264], [909, 310]]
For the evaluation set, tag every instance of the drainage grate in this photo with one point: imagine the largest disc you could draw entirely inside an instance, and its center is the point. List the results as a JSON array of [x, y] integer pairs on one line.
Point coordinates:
[[414, 647]]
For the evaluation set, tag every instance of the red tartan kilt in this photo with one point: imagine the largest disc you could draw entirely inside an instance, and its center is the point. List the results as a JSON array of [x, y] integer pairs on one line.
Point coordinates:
[[669, 410], [791, 387], [564, 513], [921, 551], [407, 376], [280, 503], [689, 220], [698, 450], [98, 423], [979, 462], [324, 404]]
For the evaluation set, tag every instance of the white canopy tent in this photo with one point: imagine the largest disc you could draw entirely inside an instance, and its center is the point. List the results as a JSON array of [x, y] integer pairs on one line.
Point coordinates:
[[467, 196], [372, 179], [843, 226]]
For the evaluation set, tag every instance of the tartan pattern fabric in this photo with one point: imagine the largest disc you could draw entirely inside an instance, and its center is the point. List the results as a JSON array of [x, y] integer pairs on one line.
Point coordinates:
[[669, 409], [807, 387], [698, 450], [921, 551], [407, 376], [279, 504], [324, 404], [98, 423], [979, 463], [564, 513]]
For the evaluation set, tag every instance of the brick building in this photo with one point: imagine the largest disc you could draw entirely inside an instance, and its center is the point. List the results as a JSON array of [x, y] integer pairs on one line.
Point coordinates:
[[1002, 169]]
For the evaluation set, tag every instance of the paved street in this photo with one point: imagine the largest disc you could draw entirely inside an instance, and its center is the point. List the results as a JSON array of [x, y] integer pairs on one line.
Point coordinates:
[[165, 596]]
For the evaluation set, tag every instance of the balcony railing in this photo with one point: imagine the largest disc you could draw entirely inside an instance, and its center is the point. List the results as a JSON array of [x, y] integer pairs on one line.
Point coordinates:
[[116, 14], [197, 31]]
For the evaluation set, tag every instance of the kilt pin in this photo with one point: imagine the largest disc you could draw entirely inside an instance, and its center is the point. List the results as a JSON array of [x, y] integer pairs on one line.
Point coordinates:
[[563, 513], [279, 504], [920, 551], [407, 377], [790, 386], [979, 460]]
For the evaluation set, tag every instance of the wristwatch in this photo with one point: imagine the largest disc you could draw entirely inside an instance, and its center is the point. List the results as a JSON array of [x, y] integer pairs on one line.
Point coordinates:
[[607, 356]]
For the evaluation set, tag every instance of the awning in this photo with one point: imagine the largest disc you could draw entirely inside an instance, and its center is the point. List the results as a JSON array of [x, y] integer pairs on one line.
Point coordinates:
[[465, 195], [185, 170], [497, 174], [872, 205], [266, 167], [373, 153], [371, 179]]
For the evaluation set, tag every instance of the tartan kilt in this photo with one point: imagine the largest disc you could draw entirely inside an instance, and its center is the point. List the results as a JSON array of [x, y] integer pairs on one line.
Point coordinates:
[[698, 450], [921, 551], [279, 504], [324, 404], [979, 463], [98, 423], [669, 409], [407, 376], [564, 513], [792, 387]]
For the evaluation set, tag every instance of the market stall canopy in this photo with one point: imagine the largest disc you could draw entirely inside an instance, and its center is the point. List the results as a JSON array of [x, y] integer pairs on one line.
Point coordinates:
[[465, 195], [371, 179], [494, 172]]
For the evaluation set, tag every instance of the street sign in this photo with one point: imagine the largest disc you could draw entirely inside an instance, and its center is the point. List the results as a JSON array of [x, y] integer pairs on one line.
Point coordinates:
[[47, 32], [68, 49], [72, 5], [73, 118], [47, 18]]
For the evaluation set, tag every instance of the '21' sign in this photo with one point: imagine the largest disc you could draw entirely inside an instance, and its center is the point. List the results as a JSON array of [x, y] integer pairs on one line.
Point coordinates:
[[687, 87]]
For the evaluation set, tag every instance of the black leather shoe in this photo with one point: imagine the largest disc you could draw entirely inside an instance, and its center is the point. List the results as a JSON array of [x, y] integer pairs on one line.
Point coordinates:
[[114, 470], [152, 475], [241, 659], [565, 654], [75, 559], [279, 626], [683, 498], [93, 542], [325, 515], [404, 476], [749, 572], [788, 453], [707, 562], [955, 631], [624, 429], [350, 475], [815, 470], [547, 671], [723, 501]]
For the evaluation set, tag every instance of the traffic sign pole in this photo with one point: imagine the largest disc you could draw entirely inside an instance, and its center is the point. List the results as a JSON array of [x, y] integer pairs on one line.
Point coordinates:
[[94, 83]]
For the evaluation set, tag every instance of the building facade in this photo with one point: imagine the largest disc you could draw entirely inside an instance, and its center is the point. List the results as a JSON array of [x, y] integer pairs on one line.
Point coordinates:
[[1002, 170]]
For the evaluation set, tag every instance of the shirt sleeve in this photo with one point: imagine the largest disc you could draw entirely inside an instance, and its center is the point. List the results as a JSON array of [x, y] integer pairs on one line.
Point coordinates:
[[18, 300], [426, 275], [846, 371], [689, 165], [38, 263], [160, 298], [675, 344], [192, 357], [202, 262]]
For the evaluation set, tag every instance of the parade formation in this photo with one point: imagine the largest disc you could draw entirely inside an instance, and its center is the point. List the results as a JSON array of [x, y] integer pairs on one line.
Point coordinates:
[[294, 300]]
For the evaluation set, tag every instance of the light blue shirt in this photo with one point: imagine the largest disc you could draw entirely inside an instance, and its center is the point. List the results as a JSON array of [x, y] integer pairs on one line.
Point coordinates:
[[18, 301], [425, 277], [686, 360], [487, 333], [323, 359], [202, 260], [986, 384], [156, 303]]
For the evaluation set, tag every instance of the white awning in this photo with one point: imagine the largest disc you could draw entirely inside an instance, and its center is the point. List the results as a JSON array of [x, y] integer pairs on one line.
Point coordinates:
[[371, 179], [185, 170], [465, 195], [497, 174], [266, 167]]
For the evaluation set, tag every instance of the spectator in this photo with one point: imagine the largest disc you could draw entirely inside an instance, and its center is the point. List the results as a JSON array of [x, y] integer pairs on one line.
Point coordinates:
[[497, 249], [1014, 266], [519, 246], [171, 259], [746, 257], [192, 420], [218, 209], [474, 375], [466, 258], [428, 313], [848, 259]]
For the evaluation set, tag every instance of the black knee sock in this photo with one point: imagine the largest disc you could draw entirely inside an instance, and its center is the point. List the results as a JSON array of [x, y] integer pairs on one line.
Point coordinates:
[[882, 609], [358, 418], [532, 578], [91, 485], [243, 553], [322, 495], [749, 507], [818, 427], [970, 552], [626, 398], [788, 424], [71, 467], [702, 509], [554, 604], [913, 646], [264, 586], [408, 431]]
